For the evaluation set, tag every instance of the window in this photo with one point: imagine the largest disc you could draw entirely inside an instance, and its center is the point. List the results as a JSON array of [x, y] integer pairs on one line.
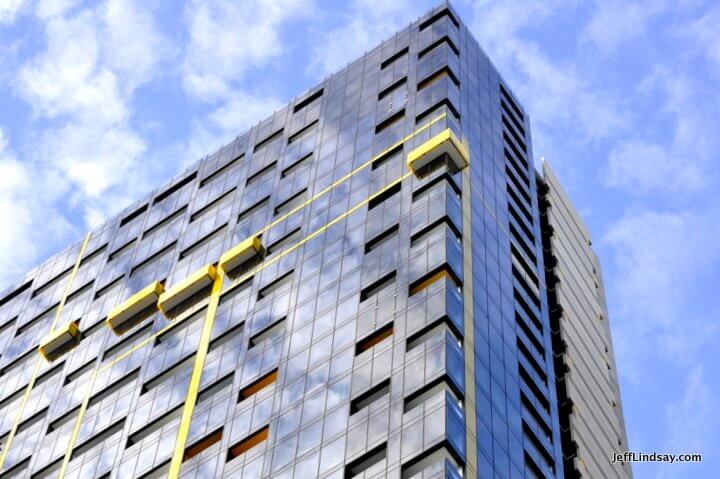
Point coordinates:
[[431, 277], [248, 443], [268, 139], [135, 214], [127, 343], [214, 204], [383, 238], [266, 333], [292, 203], [202, 242], [442, 41], [258, 175], [275, 285], [392, 88], [182, 365], [374, 288], [443, 383], [202, 444], [442, 13], [439, 453], [428, 230], [379, 198], [257, 206], [393, 58], [508, 98], [376, 337], [174, 188], [373, 394], [98, 438], [364, 462], [385, 157], [298, 134], [52, 282], [226, 167], [286, 240], [258, 385], [307, 101], [114, 387], [431, 330], [444, 72], [436, 110], [390, 121], [299, 164]]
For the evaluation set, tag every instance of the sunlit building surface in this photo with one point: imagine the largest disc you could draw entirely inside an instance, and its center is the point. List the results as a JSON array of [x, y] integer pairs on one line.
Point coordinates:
[[355, 287]]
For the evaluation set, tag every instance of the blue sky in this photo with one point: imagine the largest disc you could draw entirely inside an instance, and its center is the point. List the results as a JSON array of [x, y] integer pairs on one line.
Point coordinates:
[[101, 101]]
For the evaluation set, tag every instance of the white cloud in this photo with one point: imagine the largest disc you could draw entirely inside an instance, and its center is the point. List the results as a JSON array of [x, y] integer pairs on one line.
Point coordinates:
[[84, 154], [640, 167], [559, 96], [683, 161], [658, 258], [692, 423], [9, 10], [702, 31], [228, 38], [19, 227], [617, 22], [363, 26], [227, 41], [241, 110]]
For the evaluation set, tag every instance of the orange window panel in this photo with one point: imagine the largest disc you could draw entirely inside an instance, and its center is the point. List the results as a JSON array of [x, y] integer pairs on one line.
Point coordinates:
[[204, 443], [258, 385], [375, 338], [248, 443], [432, 277]]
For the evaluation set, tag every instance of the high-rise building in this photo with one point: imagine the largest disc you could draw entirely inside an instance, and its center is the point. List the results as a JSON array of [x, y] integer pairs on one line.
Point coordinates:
[[356, 287], [591, 417]]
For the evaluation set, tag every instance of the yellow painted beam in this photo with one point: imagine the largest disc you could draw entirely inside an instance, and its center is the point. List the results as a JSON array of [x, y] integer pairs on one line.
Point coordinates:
[[245, 277], [194, 387], [444, 142], [134, 305], [36, 370], [59, 341], [78, 423], [353, 172], [200, 279], [244, 251]]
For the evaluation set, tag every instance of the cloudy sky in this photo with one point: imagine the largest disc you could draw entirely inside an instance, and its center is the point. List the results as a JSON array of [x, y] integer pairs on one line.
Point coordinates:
[[101, 101]]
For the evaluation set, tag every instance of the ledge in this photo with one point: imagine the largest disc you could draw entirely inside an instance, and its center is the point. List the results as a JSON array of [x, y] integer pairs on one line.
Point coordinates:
[[200, 279], [244, 251], [134, 305], [444, 142], [60, 341]]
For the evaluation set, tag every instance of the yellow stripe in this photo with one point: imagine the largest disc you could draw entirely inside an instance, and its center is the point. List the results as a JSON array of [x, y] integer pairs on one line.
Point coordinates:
[[70, 282], [255, 271], [78, 423], [33, 378], [194, 387], [469, 326], [349, 175], [245, 277], [16, 422], [214, 301], [316, 232]]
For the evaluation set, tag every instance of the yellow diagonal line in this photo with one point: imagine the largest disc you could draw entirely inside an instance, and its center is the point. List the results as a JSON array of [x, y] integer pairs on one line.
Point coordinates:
[[78, 423], [349, 175], [36, 370], [214, 301], [315, 233], [194, 387]]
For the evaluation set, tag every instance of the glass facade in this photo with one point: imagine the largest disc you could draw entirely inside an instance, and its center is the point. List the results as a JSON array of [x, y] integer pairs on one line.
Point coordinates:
[[352, 288]]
